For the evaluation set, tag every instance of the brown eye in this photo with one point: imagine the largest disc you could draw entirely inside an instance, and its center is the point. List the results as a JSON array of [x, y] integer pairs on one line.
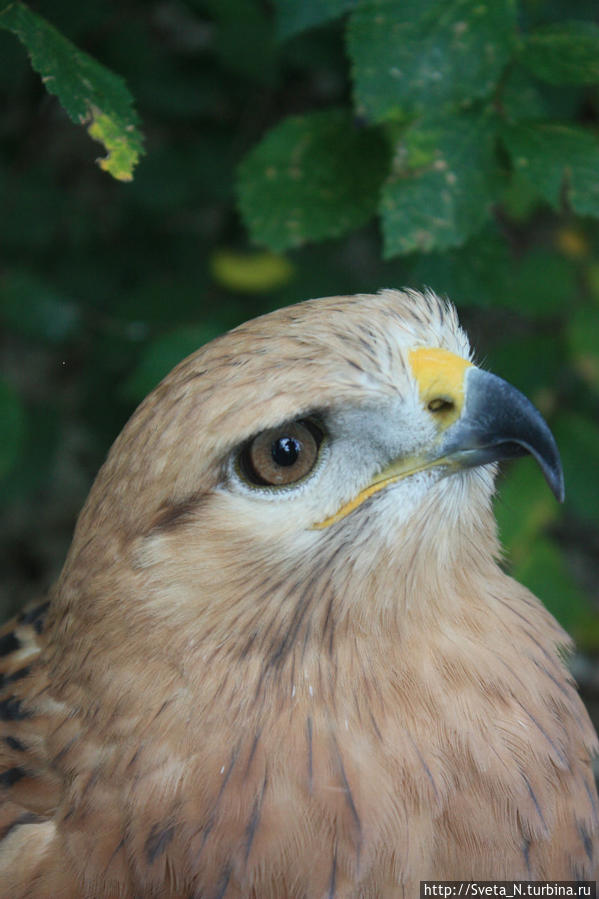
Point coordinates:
[[282, 455]]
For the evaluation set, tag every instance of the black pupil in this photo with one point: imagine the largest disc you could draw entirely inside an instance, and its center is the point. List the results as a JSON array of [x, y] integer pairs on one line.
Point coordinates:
[[285, 450]]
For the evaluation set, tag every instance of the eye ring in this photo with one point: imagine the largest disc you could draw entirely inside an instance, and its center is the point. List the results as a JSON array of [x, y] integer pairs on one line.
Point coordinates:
[[281, 457]]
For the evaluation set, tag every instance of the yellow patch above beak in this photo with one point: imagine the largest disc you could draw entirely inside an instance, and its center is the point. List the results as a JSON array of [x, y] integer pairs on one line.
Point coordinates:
[[440, 376]]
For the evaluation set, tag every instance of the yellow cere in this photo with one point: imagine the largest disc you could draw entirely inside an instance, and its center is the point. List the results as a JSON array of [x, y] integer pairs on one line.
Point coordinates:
[[440, 376]]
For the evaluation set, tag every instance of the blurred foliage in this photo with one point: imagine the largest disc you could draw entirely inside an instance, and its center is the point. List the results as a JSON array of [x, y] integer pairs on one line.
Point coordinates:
[[466, 132]]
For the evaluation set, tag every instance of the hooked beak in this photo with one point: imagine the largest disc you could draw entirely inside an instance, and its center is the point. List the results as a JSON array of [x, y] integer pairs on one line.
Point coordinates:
[[498, 422], [481, 419]]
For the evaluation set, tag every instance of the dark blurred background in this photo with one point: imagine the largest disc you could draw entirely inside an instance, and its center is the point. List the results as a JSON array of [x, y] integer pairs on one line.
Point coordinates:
[[104, 286]]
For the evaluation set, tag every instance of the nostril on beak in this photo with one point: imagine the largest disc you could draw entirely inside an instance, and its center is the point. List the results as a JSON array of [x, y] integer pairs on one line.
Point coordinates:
[[441, 404]]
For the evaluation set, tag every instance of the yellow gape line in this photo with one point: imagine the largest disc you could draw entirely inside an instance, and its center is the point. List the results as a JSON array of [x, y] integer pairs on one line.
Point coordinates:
[[354, 503], [440, 377], [386, 477]]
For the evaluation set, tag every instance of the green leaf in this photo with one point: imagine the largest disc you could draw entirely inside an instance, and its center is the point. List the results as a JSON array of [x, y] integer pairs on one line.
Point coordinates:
[[528, 361], [90, 93], [293, 17], [161, 355], [578, 441], [441, 190], [242, 28], [32, 469], [485, 273], [12, 426], [561, 161], [544, 570], [311, 177], [583, 339], [567, 53], [524, 507], [476, 274], [15, 67], [541, 284], [521, 97], [32, 308], [519, 198], [415, 55]]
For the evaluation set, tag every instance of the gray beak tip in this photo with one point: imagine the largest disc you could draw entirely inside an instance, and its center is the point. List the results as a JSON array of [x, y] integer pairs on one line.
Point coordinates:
[[499, 422], [556, 482]]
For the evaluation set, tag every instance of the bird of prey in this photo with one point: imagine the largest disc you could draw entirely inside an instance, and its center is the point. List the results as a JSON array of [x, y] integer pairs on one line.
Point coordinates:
[[281, 660]]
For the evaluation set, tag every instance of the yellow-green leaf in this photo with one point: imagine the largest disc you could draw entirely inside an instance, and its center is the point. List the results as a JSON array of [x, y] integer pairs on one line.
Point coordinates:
[[250, 272], [90, 94]]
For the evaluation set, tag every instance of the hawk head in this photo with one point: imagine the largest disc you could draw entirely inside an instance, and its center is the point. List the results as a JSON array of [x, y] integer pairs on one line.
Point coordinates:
[[346, 442]]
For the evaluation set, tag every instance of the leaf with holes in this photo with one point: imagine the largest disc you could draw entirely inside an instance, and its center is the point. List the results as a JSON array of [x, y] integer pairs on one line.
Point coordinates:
[[561, 161], [442, 186], [567, 53], [311, 177], [415, 55]]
